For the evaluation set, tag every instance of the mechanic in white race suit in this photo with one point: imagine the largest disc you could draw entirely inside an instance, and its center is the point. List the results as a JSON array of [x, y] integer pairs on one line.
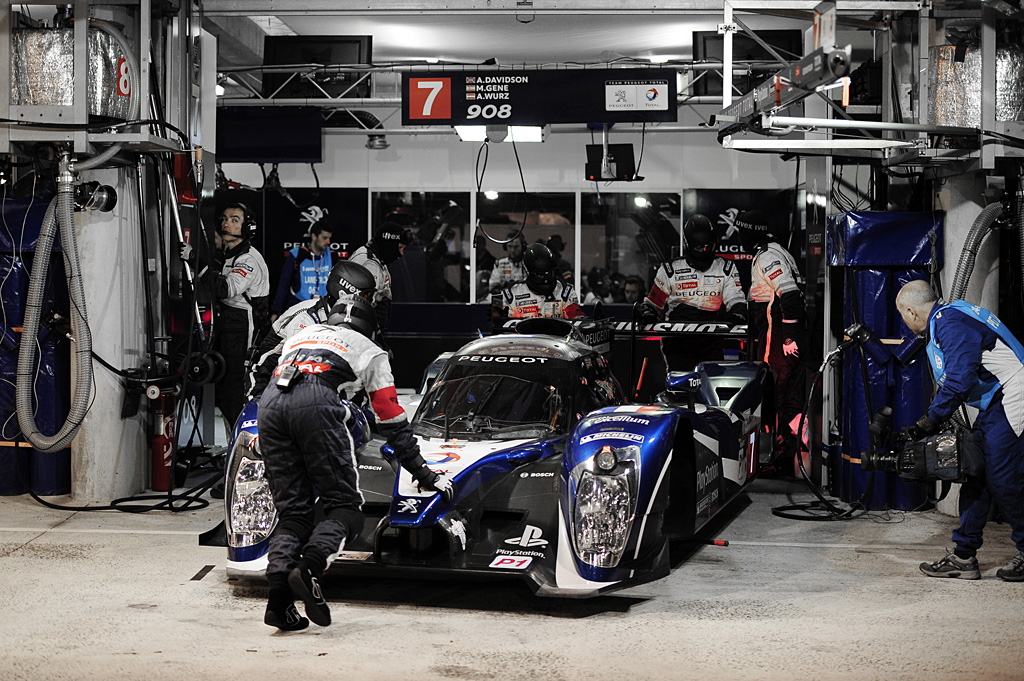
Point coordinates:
[[387, 245], [345, 278], [240, 281], [776, 324], [308, 452], [543, 294], [512, 268], [699, 287]]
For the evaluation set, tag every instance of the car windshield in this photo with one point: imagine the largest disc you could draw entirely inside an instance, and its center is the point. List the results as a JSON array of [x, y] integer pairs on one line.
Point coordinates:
[[489, 406]]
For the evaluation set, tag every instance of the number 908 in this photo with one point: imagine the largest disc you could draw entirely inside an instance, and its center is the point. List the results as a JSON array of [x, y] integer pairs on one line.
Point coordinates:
[[489, 111]]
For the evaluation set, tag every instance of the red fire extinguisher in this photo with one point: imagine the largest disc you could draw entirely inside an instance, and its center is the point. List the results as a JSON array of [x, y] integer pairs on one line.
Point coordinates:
[[162, 411]]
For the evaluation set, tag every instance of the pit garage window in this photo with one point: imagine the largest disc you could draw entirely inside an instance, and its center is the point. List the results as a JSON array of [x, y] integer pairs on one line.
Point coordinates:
[[625, 237], [435, 268], [546, 217]]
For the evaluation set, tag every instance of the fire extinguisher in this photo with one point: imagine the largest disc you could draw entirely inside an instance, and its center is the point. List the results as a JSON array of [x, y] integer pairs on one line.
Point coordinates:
[[162, 411]]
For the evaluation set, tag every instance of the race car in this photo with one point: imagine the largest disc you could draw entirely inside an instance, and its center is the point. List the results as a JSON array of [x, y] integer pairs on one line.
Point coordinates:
[[560, 481]]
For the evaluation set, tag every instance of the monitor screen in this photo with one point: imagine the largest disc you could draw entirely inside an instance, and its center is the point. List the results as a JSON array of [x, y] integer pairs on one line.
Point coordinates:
[[620, 159], [325, 50], [269, 134]]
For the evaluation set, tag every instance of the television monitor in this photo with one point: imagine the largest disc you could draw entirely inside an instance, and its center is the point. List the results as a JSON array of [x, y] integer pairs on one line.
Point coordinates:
[[620, 158], [325, 50], [269, 134]]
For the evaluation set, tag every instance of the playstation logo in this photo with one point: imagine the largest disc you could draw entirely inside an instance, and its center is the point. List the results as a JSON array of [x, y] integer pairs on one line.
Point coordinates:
[[531, 538]]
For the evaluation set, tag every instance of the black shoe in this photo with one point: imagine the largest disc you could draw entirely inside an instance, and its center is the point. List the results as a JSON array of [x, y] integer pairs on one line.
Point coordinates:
[[307, 587], [288, 619]]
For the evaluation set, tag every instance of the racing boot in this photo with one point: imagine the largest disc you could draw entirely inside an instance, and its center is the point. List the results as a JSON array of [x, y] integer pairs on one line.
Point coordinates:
[[306, 586], [281, 611]]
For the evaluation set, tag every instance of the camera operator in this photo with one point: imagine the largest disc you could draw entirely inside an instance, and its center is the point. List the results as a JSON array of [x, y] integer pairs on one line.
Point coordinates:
[[977, 361], [307, 446]]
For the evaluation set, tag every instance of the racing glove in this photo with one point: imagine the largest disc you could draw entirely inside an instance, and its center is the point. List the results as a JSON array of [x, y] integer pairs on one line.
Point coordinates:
[[736, 315], [648, 313], [428, 479], [923, 428]]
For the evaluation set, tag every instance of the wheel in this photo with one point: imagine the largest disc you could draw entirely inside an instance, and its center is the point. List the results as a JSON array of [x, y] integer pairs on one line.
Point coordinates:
[[220, 366], [201, 369]]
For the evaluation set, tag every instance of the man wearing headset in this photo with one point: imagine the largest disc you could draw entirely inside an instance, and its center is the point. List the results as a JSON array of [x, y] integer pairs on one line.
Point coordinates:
[[241, 285], [511, 268]]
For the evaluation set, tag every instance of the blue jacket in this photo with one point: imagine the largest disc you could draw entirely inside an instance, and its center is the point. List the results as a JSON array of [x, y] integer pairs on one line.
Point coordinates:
[[973, 357], [303, 276]]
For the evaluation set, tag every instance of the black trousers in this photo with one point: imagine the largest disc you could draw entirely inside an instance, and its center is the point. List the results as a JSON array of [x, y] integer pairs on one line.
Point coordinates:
[[308, 452]]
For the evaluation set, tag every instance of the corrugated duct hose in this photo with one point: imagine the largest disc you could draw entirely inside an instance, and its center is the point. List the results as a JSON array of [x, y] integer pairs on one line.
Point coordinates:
[[60, 213]]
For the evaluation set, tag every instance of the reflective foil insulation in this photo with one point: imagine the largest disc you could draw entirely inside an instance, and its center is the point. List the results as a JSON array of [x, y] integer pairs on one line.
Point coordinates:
[[955, 87], [42, 71]]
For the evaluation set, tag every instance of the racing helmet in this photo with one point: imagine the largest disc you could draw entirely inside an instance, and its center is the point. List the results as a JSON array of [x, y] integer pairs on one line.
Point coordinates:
[[700, 243], [349, 279], [753, 229], [540, 268], [386, 240], [354, 313]]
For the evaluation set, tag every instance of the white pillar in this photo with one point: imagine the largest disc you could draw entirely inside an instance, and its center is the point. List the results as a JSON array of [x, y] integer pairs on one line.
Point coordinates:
[[109, 455]]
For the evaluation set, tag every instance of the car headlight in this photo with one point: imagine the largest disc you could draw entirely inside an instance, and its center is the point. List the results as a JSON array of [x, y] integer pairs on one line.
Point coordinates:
[[605, 506], [251, 515]]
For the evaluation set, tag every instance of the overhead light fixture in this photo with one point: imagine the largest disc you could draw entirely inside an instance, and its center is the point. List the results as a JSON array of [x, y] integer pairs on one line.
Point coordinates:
[[377, 142], [490, 195], [640, 201], [493, 133], [219, 90]]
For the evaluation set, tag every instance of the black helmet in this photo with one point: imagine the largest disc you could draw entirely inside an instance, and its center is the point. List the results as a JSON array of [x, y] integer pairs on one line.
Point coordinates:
[[349, 279], [753, 228], [387, 238], [540, 268], [700, 243], [356, 314]]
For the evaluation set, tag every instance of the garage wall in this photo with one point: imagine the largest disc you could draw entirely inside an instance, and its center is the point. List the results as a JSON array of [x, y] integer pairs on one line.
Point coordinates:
[[441, 162]]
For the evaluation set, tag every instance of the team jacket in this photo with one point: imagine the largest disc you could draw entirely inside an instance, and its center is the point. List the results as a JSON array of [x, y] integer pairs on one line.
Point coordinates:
[[679, 284], [973, 357], [303, 276], [519, 301], [506, 272], [266, 355], [243, 289]]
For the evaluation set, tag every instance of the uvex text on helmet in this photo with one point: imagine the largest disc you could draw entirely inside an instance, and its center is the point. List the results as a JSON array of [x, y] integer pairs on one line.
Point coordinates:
[[349, 279], [700, 242], [387, 238], [753, 229], [356, 314], [540, 268]]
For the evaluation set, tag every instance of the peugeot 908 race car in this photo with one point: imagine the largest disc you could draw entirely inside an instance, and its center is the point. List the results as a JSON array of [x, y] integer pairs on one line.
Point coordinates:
[[559, 480]]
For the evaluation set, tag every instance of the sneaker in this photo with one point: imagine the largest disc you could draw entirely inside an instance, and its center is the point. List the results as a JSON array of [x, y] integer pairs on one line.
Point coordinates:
[[1014, 570], [288, 619], [953, 566], [305, 585]]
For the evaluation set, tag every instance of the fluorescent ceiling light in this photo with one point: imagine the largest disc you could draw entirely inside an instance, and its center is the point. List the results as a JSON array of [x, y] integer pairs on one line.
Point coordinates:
[[516, 133], [490, 195]]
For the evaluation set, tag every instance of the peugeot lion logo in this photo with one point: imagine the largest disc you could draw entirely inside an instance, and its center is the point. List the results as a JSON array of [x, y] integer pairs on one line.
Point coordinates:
[[408, 505], [531, 538]]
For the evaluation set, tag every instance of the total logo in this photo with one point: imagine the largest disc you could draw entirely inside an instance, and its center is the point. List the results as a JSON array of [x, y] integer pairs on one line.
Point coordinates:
[[440, 457], [531, 538], [652, 94]]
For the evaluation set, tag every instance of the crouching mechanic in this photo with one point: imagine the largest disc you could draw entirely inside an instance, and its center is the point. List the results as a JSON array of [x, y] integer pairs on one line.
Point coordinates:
[[975, 360], [306, 446], [543, 294], [346, 278]]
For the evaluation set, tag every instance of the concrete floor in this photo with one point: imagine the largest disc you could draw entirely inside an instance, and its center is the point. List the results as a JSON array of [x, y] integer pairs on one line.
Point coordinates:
[[112, 595]]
